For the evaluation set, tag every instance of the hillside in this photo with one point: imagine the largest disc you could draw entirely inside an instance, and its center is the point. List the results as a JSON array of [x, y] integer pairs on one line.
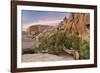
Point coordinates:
[[36, 29]]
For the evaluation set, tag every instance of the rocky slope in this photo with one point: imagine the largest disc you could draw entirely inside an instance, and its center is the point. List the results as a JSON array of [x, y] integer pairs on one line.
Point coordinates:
[[77, 23]]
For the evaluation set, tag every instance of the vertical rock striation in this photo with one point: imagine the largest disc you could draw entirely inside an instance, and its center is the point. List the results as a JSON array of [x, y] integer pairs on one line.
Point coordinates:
[[77, 23]]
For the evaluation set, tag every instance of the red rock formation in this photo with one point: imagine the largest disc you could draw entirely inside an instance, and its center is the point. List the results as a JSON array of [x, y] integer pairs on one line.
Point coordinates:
[[77, 23]]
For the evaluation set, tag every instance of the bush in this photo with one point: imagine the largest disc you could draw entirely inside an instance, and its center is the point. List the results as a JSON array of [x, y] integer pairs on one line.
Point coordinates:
[[72, 41], [85, 50], [54, 42], [54, 50]]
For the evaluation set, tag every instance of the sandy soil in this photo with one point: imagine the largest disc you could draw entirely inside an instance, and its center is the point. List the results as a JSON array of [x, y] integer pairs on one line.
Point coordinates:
[[44, 57]]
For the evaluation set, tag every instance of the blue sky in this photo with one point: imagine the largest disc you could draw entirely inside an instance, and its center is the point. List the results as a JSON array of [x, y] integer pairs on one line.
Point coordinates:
[[31, 16]]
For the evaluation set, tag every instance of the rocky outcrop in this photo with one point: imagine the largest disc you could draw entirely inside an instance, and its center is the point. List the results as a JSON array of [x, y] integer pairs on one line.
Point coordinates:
[[43, 57], [36, 29], [72, 52], [77, 23]]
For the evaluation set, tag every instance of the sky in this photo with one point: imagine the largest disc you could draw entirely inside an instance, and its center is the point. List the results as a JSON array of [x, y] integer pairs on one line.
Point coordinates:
[[30, 17]]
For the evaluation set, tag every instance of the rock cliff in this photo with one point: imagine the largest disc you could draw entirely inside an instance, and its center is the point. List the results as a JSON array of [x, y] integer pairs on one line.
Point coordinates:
[[77, 23]]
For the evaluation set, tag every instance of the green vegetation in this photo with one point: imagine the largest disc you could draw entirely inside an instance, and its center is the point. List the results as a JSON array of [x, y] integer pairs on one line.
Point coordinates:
[[54, 42], [85, 50]]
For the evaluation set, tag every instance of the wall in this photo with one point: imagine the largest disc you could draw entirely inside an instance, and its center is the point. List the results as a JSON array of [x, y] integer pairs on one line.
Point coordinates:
[[5, 35]]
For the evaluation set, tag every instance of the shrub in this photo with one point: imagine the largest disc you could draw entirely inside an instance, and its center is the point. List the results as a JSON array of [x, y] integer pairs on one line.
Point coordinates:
[[85, 50], [54, 42], [72, 41], [54, 50]]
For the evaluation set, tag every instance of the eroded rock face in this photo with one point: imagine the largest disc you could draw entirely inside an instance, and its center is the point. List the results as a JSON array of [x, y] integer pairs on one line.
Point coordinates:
[[77, 23], [36, 29]]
